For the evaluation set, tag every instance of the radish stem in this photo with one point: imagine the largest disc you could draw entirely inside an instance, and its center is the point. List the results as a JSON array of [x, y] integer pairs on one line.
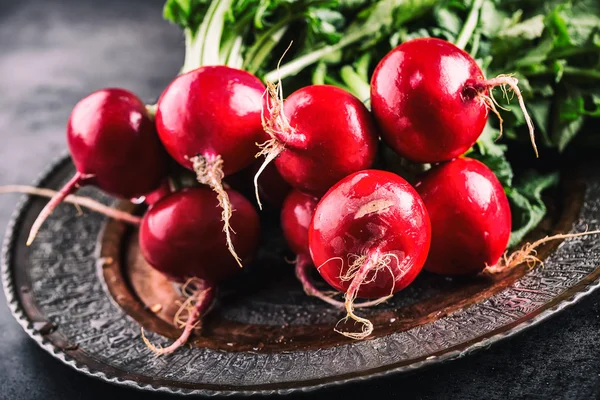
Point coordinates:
[[470, 24], [358, 86], [303, 266], [66, 190]]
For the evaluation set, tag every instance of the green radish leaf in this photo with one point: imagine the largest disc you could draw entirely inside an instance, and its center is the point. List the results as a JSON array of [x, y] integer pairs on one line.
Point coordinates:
[[492, 154], [527, 206], [187, 14]]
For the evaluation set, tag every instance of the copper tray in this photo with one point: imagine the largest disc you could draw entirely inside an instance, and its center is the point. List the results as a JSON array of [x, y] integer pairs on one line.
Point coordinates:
[[265, 336]]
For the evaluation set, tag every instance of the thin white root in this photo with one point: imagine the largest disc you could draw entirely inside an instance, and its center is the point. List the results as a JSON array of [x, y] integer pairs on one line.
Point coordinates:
[[276, 125], [271, 149], [528, 253], [195, 306], [303, 265], [77, 201], [512, 82], [491, 104], [360, 267], [209, 171]]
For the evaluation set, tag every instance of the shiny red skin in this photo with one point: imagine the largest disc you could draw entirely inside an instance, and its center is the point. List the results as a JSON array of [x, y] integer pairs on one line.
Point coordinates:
[[212, 111], [340, 226], [296, 214], [470, 217], [163, 191], [334, 136], [111, 137], [424, 102], [182, 235]]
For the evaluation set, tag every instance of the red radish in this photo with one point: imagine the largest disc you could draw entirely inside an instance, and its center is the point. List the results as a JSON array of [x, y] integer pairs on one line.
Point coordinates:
[[369, 237], [209, 120], [319, 135], [471, 221], [296, 214], [430, 100], [182, 237], [470, 217], [114, 146], [162, 191]]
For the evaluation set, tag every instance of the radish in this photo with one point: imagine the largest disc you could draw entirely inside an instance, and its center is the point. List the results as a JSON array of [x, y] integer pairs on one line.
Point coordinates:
[[471, 221], [114, 146], [431, 100], [296, 214], [181, 237], [470, 217], [209, 120], [163, 190], [369, 237], [319, 135]]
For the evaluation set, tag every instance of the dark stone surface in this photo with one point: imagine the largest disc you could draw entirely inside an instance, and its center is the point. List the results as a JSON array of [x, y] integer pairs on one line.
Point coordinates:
[[54, 52]]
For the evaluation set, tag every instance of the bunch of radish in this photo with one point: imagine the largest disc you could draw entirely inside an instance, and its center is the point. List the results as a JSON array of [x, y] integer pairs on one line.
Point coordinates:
[[367, 232]]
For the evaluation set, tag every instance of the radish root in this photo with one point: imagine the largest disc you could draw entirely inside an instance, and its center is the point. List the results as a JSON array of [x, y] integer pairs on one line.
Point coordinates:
[[303, 266], [275, 124], [58, 198], [189, 316], [209, 171], [504, 81], [359, 268], [528, 253], [270, 149], [77, 201], [493, 106]]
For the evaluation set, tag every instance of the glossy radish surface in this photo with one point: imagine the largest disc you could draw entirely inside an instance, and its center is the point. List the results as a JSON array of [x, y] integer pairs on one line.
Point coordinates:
[[209, 120], [114, 146], [181, 235], [369, 237], [212, 112], [321, 134], [430, 100], [162, 191], [296, 214], [113, 141], [470, 217]]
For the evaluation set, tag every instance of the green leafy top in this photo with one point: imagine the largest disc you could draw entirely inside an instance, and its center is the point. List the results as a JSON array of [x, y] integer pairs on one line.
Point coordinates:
[[187, 14], [551, 47]]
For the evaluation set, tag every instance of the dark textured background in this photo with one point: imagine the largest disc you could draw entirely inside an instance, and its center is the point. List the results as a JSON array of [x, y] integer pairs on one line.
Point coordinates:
[[53, 52]]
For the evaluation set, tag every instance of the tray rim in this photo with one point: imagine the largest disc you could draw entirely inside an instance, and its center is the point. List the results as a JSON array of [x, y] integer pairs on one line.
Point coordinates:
[[554, 306]]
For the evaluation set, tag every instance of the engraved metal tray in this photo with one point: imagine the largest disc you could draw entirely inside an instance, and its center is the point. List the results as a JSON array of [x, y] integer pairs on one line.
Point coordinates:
[[264, 335]]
